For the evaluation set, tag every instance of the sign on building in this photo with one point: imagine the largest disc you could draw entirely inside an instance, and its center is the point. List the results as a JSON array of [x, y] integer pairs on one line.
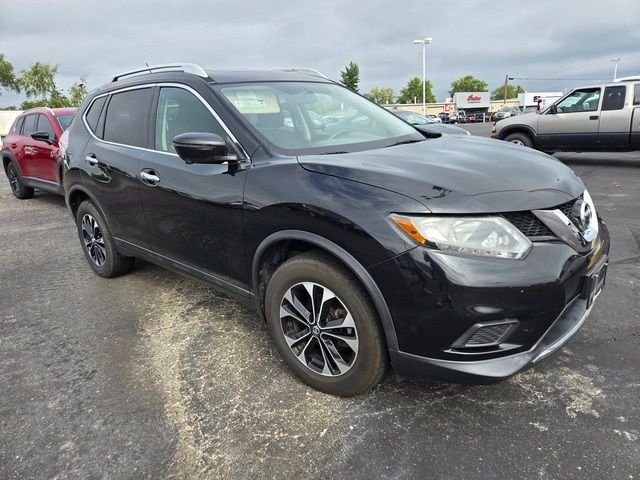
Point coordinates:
[[472, 100]]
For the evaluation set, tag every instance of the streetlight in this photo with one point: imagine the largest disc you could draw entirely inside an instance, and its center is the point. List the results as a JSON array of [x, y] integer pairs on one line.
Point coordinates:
[[424, 42], [615, 68]]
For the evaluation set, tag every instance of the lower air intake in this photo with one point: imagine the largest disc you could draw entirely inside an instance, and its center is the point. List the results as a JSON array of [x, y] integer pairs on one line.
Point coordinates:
[[486, 334]]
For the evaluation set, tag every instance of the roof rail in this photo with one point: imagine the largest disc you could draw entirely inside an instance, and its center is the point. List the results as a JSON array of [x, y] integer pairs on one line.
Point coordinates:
[[303, 70], [165, 67], [635, 78]]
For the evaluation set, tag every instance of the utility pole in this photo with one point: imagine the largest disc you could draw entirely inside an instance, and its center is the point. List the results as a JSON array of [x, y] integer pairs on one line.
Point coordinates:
[[506, 86], [424, 42], [615, 68]]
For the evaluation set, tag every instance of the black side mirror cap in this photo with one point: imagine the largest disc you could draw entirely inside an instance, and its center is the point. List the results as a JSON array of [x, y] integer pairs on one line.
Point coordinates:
[[200, 147], [42, 136]]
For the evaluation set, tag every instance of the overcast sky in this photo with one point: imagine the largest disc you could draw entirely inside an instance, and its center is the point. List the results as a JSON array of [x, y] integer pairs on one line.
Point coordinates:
[[573, 40]]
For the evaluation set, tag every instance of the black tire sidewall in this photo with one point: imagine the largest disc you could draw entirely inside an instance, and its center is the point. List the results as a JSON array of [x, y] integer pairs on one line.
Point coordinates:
[[23, 192], [371, 360], [108, 269]]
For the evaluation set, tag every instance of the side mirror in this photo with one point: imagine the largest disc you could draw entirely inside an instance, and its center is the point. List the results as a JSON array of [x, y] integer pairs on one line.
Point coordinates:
[[553, 109], [198, 147], [42, 136]]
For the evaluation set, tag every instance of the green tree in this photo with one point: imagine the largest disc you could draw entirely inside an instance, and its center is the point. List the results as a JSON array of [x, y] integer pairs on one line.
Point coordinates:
[[381, 95], [39, 85], [350, 76], [468, 83], [412, 93], [77, 92], [8, 80], [512, 92]]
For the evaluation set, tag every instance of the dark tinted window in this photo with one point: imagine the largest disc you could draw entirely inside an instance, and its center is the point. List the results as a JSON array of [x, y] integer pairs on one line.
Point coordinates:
[[636, 94], [614, 97], [93, 115], [44, 125], [127, 118], [64, 121], [19, 124], [179, 111]]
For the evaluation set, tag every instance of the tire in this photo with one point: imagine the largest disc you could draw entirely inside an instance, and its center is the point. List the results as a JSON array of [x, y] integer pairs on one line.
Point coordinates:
[[98, 245], [519, 139], [18, 188], [345, 327]]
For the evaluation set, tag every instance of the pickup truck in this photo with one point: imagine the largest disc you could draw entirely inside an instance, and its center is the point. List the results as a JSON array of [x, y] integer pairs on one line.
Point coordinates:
[[597, 117]]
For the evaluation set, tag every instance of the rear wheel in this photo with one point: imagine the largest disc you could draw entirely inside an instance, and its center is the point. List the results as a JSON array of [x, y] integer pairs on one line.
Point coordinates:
[[324, 325], [15, 181], [98, 245], [519, 139]]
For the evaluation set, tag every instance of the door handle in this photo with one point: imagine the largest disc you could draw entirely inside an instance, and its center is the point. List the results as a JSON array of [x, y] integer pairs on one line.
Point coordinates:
[[149, 177], [91, 159], [593, 117]]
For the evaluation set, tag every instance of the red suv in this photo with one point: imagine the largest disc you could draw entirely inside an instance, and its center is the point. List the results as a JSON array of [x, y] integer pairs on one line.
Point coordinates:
[[30, 153]]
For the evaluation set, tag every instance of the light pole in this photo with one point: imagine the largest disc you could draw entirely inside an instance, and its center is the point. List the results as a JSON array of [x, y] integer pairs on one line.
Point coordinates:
[[615, 68], [424, 42]]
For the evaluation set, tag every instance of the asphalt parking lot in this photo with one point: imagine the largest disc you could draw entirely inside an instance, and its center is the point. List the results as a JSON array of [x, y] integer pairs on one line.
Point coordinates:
[[152, 375]]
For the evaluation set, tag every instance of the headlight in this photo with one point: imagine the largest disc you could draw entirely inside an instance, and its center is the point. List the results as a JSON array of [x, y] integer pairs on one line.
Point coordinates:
[[482, 236]]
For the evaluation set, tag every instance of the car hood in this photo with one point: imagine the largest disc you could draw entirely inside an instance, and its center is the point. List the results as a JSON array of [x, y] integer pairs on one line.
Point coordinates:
[[458, 174], [439, 129]]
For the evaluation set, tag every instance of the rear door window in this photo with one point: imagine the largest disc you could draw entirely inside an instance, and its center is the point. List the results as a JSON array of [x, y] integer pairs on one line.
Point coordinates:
[[614, 97], [30, 125], [44, 125], [636, 94], [127, 117]]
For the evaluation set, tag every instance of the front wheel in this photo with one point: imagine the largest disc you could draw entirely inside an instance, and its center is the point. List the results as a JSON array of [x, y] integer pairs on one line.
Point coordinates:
[[324, 325], [15, 181], [520, 139], [98, 245]]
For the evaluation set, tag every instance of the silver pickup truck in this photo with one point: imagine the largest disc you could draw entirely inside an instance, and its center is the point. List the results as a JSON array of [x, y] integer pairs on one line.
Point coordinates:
[[598, 117]]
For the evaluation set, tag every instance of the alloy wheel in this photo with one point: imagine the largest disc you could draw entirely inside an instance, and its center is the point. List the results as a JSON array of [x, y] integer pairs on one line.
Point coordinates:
[[13, 178], [93, 240], [319, 329], [518, 142]]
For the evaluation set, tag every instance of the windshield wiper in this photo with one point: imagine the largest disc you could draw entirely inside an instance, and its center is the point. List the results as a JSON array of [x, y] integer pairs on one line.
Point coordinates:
[[404, 142], [333, 153]]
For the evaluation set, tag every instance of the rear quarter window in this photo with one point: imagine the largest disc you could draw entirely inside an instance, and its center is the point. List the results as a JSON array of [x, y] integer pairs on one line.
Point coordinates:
[[93, 115], [127, 118], [30, 124], [17, 128]]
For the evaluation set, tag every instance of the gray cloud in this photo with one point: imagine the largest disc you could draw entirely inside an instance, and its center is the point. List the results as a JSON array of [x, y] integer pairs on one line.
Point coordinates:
[[543, 39]]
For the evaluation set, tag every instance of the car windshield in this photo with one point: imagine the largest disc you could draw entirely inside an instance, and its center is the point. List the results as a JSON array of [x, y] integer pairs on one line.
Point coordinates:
[[302, 118], [64, 121]]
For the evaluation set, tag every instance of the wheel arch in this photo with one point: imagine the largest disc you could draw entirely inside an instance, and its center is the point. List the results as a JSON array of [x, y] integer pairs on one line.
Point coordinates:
[[8, 157], [519, 128], [274, 250], [78, 194]]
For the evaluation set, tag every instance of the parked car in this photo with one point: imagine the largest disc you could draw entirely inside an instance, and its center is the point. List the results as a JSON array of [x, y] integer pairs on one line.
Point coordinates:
[[30, 152], [505, 112], [458, 258], [435, 118], [426, 124], [444, 117], [597, 117], [477, 117], [459, 117], [529, 109]]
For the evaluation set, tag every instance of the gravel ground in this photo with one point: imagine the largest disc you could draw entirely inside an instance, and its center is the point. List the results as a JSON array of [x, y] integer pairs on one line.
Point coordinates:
[[153, 375]]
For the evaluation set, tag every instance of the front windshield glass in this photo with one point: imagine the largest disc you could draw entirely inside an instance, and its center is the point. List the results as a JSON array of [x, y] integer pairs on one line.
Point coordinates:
[[313, 118], [64, 121]]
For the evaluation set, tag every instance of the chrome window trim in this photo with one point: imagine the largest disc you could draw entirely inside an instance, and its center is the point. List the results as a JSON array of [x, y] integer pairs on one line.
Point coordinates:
[[235, 141]]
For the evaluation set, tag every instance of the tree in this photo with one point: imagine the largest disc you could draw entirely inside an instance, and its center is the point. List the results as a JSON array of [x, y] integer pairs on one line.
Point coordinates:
[[39, 85], [468, 83], [350, 76], [381, 95], [7, 77], [77, 92], [512, 92], [412, 93]]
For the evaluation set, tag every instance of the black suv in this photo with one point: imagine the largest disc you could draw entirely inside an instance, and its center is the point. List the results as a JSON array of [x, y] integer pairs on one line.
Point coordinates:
[[360, 241]]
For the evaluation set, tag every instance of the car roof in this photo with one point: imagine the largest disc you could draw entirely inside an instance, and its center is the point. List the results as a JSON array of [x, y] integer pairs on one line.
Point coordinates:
[[51, 111]]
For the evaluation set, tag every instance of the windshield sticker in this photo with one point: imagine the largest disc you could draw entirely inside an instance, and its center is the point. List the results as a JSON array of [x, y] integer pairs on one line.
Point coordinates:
[[253, 101]]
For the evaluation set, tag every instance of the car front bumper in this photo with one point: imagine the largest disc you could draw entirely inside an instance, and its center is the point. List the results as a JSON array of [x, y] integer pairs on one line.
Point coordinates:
[[435, 299]]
